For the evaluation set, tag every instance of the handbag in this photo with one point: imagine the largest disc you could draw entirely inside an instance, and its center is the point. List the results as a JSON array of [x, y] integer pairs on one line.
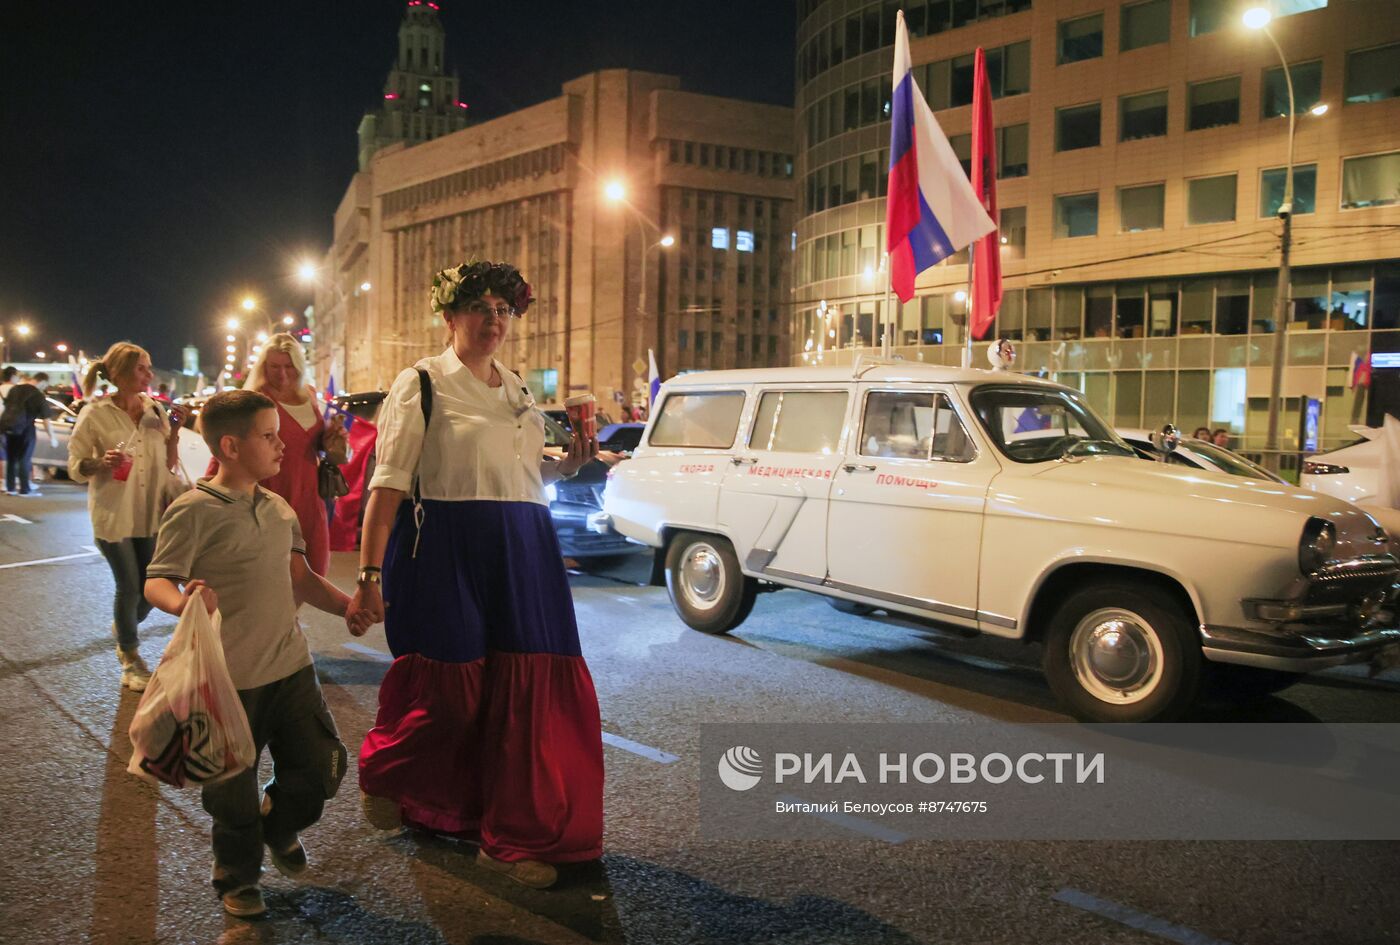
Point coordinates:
[[330, 481]]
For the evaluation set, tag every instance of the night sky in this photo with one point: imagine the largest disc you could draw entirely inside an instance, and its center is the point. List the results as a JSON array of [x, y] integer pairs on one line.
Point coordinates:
[[158, 161]]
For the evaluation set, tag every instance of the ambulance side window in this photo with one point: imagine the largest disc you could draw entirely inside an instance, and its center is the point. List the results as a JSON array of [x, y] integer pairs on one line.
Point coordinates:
[[703, 419], [913, 425], [805, 421]]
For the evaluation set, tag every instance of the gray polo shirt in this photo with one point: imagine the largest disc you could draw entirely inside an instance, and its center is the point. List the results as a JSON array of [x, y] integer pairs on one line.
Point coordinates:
[[241, 546]]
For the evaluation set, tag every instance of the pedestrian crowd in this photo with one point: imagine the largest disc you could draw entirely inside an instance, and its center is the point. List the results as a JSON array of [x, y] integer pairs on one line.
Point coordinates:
[[488, 725]]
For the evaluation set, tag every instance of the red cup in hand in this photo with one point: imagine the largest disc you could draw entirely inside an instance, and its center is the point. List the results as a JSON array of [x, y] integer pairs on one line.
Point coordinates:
[[583, 415]]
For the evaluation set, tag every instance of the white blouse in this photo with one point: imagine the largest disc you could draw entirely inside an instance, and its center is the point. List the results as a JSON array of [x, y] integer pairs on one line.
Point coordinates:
[[129, 509], [484, 443]]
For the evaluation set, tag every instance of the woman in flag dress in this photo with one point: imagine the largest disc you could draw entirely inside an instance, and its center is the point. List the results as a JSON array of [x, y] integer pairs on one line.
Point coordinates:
[[488, 722]]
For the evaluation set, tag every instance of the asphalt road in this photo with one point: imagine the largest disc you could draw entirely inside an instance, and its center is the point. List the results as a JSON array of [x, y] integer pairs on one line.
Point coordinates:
[[90, 853]]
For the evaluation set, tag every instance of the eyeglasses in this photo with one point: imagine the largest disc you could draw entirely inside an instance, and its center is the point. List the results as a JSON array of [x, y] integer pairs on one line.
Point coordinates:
[[481, 308]]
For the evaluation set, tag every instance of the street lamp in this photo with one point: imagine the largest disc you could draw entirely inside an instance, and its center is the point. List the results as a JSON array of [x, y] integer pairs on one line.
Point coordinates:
[[616, 192], [306, 272], [249, 303], [1257, 18]]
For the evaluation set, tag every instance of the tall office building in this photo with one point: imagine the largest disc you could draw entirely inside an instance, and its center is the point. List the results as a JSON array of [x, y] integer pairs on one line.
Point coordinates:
[[1142, 147], [644, 216], [421, 101]]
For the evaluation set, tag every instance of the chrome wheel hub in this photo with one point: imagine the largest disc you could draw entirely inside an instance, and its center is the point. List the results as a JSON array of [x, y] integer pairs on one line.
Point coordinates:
[[702, 577], [1116, 656]]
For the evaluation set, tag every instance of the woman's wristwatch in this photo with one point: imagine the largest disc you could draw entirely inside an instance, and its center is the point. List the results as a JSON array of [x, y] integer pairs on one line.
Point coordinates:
[[368, 575]]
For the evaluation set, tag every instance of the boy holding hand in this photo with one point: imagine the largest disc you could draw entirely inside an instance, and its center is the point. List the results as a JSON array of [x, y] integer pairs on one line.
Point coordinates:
[[239, 548]]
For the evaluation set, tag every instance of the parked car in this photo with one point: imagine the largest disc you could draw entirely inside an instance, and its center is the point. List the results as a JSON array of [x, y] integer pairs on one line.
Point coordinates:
[[1004, 505], [1351, 473], [620, 437], [54, 459], [1198, 454], [571, 502]]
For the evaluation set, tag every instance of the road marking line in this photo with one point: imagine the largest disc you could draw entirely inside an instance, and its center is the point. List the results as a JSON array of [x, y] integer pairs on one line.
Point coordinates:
[[15, 518], [30, 564], [369, 651], [1134, 919], [637, 748], [878, 831]]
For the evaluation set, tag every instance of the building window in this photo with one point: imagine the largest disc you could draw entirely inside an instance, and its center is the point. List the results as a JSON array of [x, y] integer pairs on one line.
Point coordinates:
[[961, 87], [743, 242], [1012, 232], [1141, 208], [1307, 89], [1009, 69], [1145, 24], [1142, 116], [1207, 16], [1076, 215], [1371, 181], [1077, 127], [1373, 74], [1013, 151], [1212, 104], [1271, 184], [1081, 39], [1210, 200], [719, 238]]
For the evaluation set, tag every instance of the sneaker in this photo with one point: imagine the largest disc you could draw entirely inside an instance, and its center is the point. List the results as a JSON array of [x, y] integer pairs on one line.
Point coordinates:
[[244, 902], [530, 873], [382, 813], [31, 494], [135, 673], [291, 862]]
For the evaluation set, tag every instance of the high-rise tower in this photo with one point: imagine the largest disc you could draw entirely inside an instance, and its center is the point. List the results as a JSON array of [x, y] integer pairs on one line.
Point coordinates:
[[421, 101]]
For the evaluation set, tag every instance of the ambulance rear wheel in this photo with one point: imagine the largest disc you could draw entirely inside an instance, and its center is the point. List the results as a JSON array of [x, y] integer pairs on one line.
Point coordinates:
[[707, 588]]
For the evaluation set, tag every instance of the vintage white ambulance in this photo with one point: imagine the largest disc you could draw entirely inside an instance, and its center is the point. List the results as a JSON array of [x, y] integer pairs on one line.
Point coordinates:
[[1004, 504]]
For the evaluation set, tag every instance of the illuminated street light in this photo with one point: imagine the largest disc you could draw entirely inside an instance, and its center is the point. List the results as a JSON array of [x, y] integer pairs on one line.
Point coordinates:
[[1256, 18], [61, 348], [249, 304], [231, 324], [365, 286], [230, 348], [230, 338], [261, 336], [306, 272], [668, 241], [615, 191], [41, 355], [288, 320], [1319, 109], [23, 330]]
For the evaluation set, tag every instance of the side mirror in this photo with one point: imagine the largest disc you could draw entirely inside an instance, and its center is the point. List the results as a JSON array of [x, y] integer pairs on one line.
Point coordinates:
[[1167, 439]]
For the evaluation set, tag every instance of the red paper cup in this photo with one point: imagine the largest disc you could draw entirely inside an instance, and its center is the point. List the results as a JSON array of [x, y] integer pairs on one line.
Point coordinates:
[[121, 472], [583, 416]]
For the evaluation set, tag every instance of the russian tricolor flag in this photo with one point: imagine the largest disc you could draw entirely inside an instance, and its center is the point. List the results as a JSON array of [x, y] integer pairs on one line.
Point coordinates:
[[653, 379], [932, 210]]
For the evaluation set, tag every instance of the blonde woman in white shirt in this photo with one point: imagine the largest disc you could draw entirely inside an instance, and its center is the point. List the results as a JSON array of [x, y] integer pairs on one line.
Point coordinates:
[[488, 721], [125, 448]]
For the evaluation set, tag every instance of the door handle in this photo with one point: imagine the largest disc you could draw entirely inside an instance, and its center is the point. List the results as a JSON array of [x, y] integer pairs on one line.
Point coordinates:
[[858, 467], [744, 460]]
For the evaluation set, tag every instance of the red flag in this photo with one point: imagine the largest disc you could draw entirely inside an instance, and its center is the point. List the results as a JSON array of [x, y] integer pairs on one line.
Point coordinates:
[[986, 261]]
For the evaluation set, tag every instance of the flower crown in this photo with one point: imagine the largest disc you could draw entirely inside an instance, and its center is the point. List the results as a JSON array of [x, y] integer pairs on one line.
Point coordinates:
[[459, 285]]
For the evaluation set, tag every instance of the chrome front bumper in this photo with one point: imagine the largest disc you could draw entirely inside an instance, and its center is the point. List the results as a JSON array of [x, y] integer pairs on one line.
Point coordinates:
[[1297, 652]]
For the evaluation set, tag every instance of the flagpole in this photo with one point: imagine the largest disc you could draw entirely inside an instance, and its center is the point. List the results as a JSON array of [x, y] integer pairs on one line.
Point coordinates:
[[885, 346], [967, 313]]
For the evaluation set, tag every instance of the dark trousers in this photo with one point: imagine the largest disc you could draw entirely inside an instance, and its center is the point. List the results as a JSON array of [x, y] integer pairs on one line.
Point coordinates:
[[289, 717], [19, 453], [128, 559]]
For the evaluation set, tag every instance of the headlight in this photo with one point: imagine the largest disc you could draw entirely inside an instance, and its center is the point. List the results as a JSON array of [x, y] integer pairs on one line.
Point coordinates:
[[1319, 537], [551, 492]]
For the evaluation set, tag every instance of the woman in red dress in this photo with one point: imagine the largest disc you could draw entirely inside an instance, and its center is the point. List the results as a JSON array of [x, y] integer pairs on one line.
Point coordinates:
[[278, 373]]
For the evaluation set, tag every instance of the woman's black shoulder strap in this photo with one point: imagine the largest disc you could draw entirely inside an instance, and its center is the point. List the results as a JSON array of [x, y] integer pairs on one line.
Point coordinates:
[[425, 388]]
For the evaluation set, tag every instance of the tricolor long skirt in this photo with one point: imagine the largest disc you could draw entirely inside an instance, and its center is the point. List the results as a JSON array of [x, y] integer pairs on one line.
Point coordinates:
[[488, 722]]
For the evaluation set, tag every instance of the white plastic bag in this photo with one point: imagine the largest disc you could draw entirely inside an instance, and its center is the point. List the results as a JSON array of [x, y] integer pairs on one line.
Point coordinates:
[[190, 725]]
